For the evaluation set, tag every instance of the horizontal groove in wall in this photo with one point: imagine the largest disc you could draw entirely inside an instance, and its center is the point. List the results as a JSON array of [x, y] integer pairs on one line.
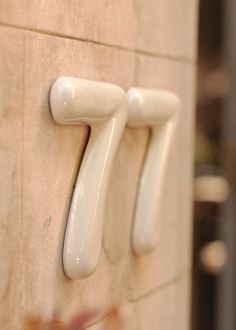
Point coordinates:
[[165, 285], [126, 49], [162, 286]]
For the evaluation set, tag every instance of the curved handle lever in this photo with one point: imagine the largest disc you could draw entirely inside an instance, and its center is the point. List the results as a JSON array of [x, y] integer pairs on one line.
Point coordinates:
[[158, 109], [103, 107]]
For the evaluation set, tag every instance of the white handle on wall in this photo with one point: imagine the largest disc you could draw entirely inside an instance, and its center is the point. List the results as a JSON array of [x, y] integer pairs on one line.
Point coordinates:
[[158, 109], [103, 107]]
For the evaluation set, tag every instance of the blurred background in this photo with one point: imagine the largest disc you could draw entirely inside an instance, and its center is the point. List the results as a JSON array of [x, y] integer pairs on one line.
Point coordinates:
[[214, 250]]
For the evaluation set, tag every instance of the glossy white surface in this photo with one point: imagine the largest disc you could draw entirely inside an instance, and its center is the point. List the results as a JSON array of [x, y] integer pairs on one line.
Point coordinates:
[[158, 109], [103, 107]]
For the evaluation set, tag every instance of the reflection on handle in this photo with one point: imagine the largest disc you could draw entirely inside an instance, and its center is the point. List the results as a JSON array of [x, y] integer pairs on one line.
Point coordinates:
[[103, 107], [158, 109]]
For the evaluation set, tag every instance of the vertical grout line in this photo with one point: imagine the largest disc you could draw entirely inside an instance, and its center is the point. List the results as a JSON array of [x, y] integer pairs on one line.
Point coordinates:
[[22, 263]]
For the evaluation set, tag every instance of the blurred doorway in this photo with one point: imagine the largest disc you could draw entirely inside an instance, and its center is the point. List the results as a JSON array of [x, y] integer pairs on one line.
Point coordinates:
[[214, 251]]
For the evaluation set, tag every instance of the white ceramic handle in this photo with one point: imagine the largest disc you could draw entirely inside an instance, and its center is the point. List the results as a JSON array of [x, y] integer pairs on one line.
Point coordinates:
[[103, 107], [158, 109]]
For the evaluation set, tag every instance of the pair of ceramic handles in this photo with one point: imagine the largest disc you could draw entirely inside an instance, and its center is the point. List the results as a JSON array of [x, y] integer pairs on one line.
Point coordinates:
[[106, 108]]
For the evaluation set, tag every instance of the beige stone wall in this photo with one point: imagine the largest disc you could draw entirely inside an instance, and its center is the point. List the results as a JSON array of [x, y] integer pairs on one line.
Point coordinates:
[[148, 43]]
